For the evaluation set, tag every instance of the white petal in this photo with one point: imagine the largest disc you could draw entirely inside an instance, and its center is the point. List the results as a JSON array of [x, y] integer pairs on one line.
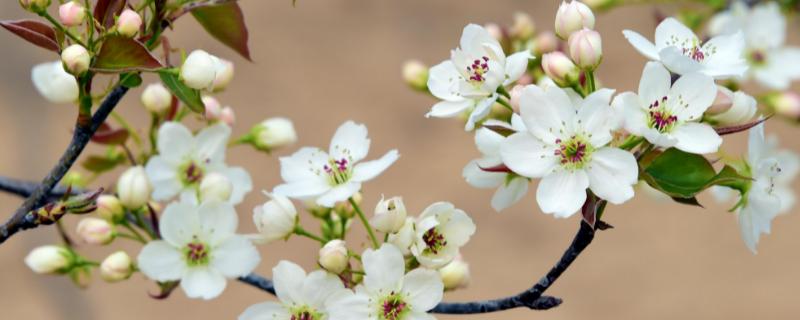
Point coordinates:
[[265, 311], [449, 109], [54, 83], [350, 142], [671, 32], [338, 194], [482, 109], [757, 147], [218, 221], [547, 112], [662, 140], [383, 268], [175, 142], [474, 38], [163, 176], [319, 286], [654, 84], [516, 65], [368, 170], [612, 174], [235, 257], [488, 141], [161, 262], [697, 138], [726, 56], [179, 223], [766, 26], [443, 81], [641, 44], [479, 178], [211, 143], [527, 156], [562, 192], [346, 304], [204, 283], [241, 181], [304, 189], [288, 278], [423, 289], [509, 193], [621, 106], [595, 117], [691, 95], [458, 228], [675, 61], [305, 164]]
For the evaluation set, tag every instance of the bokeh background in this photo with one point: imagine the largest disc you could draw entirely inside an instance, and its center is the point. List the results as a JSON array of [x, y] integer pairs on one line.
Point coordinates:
[[325, 62]]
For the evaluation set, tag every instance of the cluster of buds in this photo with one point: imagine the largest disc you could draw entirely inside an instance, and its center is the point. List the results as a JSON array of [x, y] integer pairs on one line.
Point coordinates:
[[216, 112], [574, 23]]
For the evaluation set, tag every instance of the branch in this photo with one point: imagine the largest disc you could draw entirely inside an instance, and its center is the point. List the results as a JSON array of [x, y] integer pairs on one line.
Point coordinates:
[[80, 137], [24, 188]]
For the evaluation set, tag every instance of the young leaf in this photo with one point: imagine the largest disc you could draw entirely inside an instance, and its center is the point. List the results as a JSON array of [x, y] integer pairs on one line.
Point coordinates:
[[34, 32], [121, 54], [679, 174], [728, 177], [100, 164], [189, 96], [109, 136], [106, 10], [225, 22], [130, 80]]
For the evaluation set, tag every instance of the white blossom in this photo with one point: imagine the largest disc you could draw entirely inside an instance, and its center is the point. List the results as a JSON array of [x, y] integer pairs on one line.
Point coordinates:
[[54, 83], [276, 219], [440, 231]]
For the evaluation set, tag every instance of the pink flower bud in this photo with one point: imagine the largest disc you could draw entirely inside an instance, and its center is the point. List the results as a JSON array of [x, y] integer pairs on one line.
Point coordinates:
[[227, 116], [71, 13], [545, 42], [213, 108], [586, 48], [787, 104], [156, 98], [516, 93], [95, 231], [572, 17], [128, 23], [494, 30], [560, 68], [523, 27], [116, 267], [76, 59], [109, 208]]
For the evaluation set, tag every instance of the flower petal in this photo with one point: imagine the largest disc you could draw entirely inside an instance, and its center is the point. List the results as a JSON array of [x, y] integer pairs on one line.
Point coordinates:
[[347, 304], [212, 142], [241, 182], [443, 81], [350, 142], [474, 38], [509, 193], [527, 156], [697, 138], [265, 311], [449, 109], [562, 192], [54, 83], [160, 261], [218, 221], [488, 141], [383, 268], [235, 257], [671, 32], [692, 94], [641, 44], [612, 174], [163, 176], [516, 65], [726, 56], [175, 142], [304, 189], [675, 61], [288, 278], [204, 283], [595, 117], [338, 194], [423, 289], [368, 170], [478, 178], [319, 286], [654, 84], [458, 228], [179, 223], [482, 109], [547, 112]]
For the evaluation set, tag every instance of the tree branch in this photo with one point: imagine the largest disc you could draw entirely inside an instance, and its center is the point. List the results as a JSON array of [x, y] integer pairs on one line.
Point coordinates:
[[40, 194]]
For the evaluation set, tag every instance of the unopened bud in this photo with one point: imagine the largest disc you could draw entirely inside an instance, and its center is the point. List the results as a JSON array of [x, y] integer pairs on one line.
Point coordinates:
[[731, 107], [213, 108], [199, 70], [571, 17], [227, 116], [223, 75], [95, 231], [586, 48], [455, 274], [71, 13], [523, 27], [35, 6], [215, 186], [156, 98], [276, 219], [545, 42], [273, 133], [116, 267], [76, 59], [494, 31], [49, 259], [560, 68], [415, 74], [128, 23], [133, 188], [787, 104], [333, 256], [390, 215], [54, 83], [516, 94], [109, 208]]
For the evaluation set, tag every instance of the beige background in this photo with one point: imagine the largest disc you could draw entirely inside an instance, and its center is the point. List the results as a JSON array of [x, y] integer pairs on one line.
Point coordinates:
[[328, 61]]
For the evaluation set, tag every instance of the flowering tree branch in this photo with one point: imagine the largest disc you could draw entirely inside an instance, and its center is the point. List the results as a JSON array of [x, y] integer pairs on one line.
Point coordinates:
[[84, 129]]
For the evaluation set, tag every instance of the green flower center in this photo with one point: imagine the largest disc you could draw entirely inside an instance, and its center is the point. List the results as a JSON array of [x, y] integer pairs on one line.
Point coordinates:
[[196, 253], [574, 153], [757, 58], [339, 171], [305, 313], [434, 241], [191, 173], [393, 307]]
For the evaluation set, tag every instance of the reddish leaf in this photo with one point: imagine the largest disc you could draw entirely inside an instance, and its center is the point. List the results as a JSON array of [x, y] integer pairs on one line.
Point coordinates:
[[35, 32], [739, 128], [106, 10], [498, 168], [121, 54], [106, 135], [225, 22]]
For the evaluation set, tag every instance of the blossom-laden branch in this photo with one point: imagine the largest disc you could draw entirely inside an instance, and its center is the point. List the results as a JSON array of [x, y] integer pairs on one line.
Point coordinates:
[[84, 129]]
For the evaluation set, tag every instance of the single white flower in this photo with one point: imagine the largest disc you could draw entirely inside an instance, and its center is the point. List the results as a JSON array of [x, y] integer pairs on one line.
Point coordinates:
[[441, 230], [54, 83], [566, 145], [302, 296], [772, 63], [470, 79], [387, 291], [332, 176], [200, 248], [682, 52], [510, 187], [184, 160], [276, 219], [390, 215], [670, 116]]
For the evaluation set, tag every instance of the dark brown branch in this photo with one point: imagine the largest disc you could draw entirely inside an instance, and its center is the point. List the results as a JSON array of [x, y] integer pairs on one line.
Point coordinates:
[[80, 137], [24, 188]]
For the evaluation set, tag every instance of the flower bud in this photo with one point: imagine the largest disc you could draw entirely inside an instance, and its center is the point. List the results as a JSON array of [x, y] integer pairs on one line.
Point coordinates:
[[333, 256], [516, 94], [404, 238], [109, 208], [455, 274], [415, 74], [731, 107], [786, 104], [76, 59], [523, 27], [95, 231], [215, 186], [273, 133], [390, 215], [54, 83], [128, 23], [275, 219], [35, 6], [116, 267], [71, 13], [223, 75], [586, 48], [545, 42], [133, 188], [49, 259], [199, 70], [560, 68], [227, 116], [494, 31], [213, 108], [572, 17], [156, 98]]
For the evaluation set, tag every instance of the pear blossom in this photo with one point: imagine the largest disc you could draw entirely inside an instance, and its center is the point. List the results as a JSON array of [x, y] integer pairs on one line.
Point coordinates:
[[773, 64], [573, 16], [183, 161], [670, 116], [336, 175], [390, 215], [441, 230], [301, 296], [565, 144], [276, 219], [54, 83], [200, 248], [469, 81], [388, 292], [510, 186], [682, 52]]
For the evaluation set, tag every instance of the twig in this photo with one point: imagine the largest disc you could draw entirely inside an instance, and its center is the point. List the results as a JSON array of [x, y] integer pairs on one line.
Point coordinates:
[[80, 137], [24, 188]]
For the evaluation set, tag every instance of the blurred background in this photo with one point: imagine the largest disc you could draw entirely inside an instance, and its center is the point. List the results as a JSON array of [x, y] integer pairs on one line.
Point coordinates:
[[325, 62]]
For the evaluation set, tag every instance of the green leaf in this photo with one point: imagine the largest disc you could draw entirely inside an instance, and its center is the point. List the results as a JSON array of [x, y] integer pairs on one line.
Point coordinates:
[[122, 54], [188, 96], [130, 80], [225, 22], [99, 164], [679, 174], [728, 177], [34, 32]]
